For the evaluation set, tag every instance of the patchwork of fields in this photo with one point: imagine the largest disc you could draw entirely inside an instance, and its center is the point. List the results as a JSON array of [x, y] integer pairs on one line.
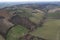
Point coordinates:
[[26, 18], [49, 31]]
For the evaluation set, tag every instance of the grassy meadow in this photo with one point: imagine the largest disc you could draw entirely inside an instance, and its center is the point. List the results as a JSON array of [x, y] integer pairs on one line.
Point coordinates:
[[16, 32], [50, 30]]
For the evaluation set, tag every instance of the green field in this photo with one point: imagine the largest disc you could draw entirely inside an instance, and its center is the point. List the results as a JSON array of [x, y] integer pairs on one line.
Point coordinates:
[[50, 30], [54, 15], [1, 38], [16, 32], [36, 17]]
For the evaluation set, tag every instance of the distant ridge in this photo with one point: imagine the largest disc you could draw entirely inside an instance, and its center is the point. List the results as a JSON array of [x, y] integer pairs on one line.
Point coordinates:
[[7, 4]]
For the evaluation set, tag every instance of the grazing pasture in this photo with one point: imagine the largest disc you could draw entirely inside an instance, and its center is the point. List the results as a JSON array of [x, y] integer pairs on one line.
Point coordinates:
[[50, 30]]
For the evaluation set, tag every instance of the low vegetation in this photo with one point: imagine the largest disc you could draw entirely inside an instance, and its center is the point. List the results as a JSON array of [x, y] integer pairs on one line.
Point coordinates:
[[16, 32], [55, 15], [49, 30]]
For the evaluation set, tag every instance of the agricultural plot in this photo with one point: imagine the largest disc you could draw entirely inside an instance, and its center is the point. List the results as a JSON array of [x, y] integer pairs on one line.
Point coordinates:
[[1, 38], [55, 15], [36, 17], [50, 30], [16, 32]]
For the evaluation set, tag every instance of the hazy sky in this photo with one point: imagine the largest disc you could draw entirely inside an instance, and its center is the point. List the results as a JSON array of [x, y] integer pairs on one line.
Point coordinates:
[[28, 0]]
